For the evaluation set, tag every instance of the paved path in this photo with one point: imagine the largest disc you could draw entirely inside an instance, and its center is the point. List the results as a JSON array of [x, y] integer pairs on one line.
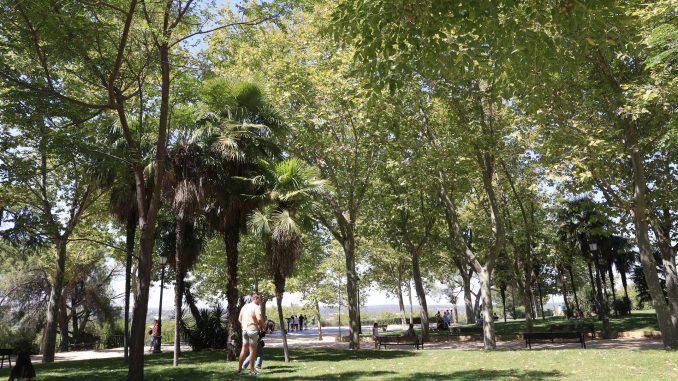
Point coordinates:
[[99, 354]]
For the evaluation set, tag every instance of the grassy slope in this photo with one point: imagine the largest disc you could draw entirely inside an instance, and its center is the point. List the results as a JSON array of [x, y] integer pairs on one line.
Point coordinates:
[[325, 364]]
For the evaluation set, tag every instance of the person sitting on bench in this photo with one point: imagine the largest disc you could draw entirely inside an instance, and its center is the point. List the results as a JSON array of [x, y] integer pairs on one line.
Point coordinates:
[[410, 331]]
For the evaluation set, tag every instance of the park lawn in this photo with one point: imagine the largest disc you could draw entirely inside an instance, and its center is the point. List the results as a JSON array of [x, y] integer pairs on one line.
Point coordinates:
[[639, 321], [332, 364]]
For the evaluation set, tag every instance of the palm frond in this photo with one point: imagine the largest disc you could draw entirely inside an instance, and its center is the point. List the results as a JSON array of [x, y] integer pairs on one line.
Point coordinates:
[[259, 224]]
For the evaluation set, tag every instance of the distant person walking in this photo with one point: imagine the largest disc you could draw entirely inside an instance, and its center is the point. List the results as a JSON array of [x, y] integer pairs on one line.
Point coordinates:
[[252, 323], [302, 320], [154, 332]]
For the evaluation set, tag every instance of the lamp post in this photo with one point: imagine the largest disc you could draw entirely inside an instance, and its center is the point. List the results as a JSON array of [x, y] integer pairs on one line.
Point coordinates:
[[158, 342], [602, 304]]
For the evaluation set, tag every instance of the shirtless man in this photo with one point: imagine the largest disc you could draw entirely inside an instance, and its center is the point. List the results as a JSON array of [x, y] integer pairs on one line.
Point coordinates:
[[252, 322]]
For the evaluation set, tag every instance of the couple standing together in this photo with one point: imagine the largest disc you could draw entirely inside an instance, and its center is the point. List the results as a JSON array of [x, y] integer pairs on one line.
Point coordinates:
[[253, 329]]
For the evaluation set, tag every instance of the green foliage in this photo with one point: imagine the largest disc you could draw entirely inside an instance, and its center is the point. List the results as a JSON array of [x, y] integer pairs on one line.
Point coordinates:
[[208, 332]]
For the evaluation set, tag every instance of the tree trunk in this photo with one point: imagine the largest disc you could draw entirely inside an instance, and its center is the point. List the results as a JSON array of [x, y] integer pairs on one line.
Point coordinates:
[[541, 302], [74, 317], [401, 303], [147, 220], [603, 277], [574, 290], [667, 313], [488, 319], [513, 302], [563, 284], [63, 324], [527, 302], [318, 324], [190, 301], [456, 313], [138, 333], [280, 290], [502, 290], [671, 276], [611, 277], [180, 229], [131, 230], [231, 239], [409, 294], [351, 292], [594, 290], [468, 302], [54, 301], [622, 274], [602, 305], [421, 294], [666, 320]]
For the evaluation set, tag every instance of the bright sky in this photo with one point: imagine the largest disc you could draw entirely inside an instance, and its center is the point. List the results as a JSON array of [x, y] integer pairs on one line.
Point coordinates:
[[375, 297]]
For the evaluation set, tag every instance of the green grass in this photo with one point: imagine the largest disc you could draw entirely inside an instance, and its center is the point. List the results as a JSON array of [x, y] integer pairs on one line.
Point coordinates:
[[397, 365], [638, 321]]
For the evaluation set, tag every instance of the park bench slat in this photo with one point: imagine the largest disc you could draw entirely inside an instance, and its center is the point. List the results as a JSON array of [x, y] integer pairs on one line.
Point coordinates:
[[400, 340]]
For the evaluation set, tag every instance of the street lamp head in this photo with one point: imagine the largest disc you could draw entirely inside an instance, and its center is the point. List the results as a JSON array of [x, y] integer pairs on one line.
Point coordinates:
[[163, 260], [593, 246]]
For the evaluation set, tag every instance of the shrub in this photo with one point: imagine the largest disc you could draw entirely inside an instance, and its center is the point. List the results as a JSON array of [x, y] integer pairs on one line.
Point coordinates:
[[209, 330], [622, 306], [18, 339]]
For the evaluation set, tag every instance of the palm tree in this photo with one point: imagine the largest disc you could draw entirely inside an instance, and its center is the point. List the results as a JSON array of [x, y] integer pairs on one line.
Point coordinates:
[[290, 186], [238, 133], [185, 191], [116, 175]]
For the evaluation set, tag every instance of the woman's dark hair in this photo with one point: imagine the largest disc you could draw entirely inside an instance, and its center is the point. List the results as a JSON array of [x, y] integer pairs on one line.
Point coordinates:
[[375, 324], [23, 367]]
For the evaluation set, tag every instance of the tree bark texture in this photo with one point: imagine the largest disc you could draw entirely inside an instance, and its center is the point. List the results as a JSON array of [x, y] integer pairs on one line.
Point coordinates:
[[489, 341], [351, 292], [231, 239], [54, 303], [130, 235], [421, 294], [279, 291]]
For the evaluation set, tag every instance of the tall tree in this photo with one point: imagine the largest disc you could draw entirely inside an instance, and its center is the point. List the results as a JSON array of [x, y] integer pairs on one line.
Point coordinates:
[[290, 186], [333, 125], [44, 167]]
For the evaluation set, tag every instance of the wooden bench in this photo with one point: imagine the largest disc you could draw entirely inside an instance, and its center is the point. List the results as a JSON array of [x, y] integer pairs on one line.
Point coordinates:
[[531, 337], [5, 354], [415, 341], [88, 342]]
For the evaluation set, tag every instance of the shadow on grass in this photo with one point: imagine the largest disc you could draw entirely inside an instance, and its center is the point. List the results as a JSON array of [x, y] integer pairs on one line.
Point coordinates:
[[332, 355], [349, 376]]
